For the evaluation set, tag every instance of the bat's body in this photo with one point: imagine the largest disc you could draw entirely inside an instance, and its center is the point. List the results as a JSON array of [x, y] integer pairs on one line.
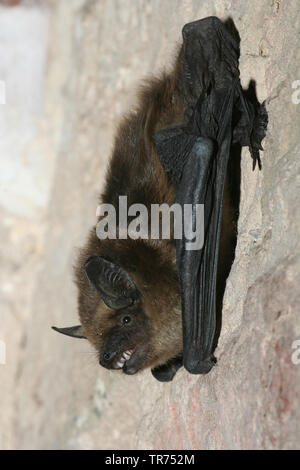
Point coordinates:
[[130, 293], [135, 171]]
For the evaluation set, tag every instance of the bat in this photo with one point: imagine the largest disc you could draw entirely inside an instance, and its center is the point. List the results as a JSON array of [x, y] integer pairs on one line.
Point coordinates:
[[151, 303]]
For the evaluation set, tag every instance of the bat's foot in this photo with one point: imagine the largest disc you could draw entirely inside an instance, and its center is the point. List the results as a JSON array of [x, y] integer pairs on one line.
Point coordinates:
[[259, 130], [166, 372]]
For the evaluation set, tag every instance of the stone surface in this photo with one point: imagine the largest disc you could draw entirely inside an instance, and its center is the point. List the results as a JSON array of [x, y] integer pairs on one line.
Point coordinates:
[[53, 393]]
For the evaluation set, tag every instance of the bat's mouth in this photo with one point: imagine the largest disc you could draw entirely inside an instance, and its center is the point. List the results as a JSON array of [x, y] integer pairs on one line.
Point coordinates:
[[121, 360]]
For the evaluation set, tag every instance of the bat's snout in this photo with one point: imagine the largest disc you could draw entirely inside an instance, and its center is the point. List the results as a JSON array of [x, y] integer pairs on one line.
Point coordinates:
[[107, 358], [116, 359]]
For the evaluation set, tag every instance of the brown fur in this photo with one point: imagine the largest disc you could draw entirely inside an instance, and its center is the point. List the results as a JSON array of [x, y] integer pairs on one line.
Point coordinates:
[[135, 171]]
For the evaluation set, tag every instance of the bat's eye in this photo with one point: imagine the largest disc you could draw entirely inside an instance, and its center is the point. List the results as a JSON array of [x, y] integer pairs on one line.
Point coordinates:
[[126, 320]]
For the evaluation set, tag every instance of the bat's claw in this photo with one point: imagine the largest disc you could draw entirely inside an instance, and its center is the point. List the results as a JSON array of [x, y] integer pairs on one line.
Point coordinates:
[[258, 133]]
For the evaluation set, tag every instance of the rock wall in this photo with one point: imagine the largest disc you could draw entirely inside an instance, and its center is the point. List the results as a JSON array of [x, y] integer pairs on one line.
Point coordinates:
[[55, 395]]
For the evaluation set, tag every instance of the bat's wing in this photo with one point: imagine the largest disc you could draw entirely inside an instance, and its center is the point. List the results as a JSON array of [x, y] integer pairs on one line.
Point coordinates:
[[195, 155]]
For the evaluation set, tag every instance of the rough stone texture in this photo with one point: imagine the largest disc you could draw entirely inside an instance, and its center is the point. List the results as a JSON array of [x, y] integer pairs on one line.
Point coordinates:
[[53, 393]]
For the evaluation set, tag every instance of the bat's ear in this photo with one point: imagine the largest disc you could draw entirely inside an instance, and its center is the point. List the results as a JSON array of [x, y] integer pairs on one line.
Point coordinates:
[[74, 331], [114, 285]]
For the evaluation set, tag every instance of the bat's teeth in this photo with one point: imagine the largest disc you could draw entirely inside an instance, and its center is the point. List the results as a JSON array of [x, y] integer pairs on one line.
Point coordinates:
[[116, 366], [121, 361], [127, 355]]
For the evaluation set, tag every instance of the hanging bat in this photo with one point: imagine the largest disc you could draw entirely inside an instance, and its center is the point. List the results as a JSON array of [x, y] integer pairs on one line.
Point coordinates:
[[151, 303]]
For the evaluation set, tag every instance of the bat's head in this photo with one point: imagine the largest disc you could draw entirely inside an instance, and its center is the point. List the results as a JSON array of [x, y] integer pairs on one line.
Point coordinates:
[[132, 319]]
